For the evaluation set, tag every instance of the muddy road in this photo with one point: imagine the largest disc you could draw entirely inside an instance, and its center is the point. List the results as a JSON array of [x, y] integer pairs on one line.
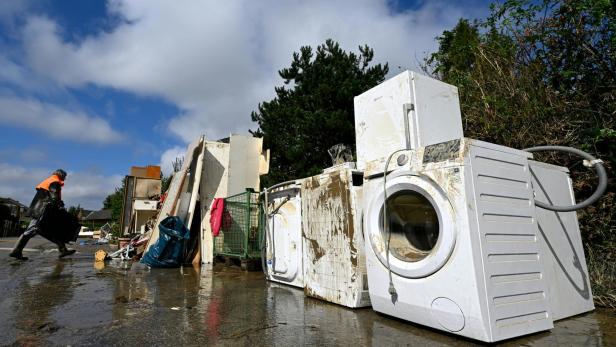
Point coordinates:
[[46, 301]]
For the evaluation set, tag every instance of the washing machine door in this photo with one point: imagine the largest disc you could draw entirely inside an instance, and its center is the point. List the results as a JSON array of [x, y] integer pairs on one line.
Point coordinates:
[[419, 218], [284, 237]]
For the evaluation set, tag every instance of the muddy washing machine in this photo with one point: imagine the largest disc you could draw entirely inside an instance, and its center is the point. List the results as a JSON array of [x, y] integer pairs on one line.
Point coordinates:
[[464, 236], [334, 251], [283, 234]]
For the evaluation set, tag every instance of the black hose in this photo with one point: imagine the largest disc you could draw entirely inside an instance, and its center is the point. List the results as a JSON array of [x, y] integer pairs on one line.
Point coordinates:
[[392, 289], [596, 164]]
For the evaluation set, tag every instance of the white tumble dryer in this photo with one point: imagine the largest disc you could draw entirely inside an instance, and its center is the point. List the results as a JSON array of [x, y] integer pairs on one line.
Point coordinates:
[[462, 250], [283, 235]]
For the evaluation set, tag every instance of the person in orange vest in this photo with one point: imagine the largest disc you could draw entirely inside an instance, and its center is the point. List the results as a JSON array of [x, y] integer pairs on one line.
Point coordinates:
[[47, 192]]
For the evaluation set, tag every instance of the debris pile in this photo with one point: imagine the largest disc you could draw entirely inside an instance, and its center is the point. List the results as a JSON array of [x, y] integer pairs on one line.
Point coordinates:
[[210, 170]]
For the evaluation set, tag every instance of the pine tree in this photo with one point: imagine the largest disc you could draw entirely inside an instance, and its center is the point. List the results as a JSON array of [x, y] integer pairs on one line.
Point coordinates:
[[313, 110]]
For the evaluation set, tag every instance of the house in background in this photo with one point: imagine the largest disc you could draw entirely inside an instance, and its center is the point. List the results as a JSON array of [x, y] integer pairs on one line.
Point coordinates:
[[95, 219], [11, 214]]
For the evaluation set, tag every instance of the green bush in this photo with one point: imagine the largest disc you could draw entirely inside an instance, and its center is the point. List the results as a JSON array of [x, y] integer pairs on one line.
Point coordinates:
[[544, 73]]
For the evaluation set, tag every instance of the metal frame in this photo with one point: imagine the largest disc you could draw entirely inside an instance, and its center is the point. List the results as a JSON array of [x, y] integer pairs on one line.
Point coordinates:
[[240, 235]]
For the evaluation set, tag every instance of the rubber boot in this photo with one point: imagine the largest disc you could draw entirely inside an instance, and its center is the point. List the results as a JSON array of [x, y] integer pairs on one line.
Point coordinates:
[[63, 251], [19, 247]]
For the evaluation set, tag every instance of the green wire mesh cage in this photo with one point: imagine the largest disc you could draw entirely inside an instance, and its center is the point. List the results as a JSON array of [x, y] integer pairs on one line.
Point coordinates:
[[240, 232]]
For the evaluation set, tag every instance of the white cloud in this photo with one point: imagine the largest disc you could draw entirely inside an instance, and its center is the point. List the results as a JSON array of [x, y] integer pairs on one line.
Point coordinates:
[[216, 60], [27, 154], [19, 76], [22, 79], [32, 154], [81, 188], [89, 189], [55, 121], [168, 157], [10, 8]]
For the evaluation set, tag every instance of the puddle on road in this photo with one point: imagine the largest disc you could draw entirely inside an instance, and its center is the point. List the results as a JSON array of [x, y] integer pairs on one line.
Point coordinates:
[[50, 301]]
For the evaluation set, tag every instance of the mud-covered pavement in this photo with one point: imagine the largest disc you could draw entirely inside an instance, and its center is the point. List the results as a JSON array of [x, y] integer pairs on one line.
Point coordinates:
[[46, 301]]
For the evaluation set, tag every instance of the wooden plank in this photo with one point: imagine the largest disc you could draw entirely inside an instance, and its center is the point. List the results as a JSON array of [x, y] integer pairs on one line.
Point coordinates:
[[195, 187], [127, 204], [191, 182], [197, 259], [168, 205], [181, 209], [195, 192], [173, 193]]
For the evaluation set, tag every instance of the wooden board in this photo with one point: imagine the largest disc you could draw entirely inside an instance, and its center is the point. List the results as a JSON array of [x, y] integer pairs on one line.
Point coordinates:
[[127, 204], [167, 207], [173, 193], [195, 193]]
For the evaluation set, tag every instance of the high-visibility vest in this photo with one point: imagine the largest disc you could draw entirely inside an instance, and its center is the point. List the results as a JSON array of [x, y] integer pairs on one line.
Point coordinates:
[[48, 181]]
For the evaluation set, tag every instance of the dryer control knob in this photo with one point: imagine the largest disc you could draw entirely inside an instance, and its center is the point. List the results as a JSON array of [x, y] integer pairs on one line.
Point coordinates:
[[402, 159]]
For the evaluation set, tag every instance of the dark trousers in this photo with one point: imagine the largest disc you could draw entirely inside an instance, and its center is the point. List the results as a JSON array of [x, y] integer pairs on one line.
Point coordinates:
[[32, 229]]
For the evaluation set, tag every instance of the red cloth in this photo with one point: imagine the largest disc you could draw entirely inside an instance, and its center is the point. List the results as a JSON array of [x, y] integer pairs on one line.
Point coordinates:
[[218, 206]]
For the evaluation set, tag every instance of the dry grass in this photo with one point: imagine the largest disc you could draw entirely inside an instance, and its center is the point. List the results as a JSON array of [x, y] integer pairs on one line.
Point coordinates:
[[602, 268]]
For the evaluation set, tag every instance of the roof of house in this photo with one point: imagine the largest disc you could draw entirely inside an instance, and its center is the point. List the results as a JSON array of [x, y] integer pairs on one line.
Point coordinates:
[[10, 201], [85, 212], [99, 215]]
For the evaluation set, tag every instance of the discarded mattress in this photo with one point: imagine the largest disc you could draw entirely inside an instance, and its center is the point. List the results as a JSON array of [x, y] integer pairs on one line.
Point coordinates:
[[169, 248]]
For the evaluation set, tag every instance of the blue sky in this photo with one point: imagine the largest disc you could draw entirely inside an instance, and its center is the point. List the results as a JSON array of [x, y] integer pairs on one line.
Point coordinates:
[[95, 87]]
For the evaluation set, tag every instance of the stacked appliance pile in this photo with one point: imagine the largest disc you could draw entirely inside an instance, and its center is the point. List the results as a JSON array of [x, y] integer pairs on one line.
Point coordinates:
[[452, 235]]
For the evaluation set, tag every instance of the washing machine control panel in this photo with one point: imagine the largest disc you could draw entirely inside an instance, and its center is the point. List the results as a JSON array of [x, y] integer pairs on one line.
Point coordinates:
[[442, 151]]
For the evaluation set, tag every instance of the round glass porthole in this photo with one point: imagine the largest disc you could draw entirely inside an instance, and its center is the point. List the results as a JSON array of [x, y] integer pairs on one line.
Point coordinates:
[[420, 219], [413, 223]]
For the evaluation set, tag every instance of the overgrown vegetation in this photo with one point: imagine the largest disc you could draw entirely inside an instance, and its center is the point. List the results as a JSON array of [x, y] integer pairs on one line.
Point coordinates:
[[313, 111], [76, 211], [544, 73], [115, 202]]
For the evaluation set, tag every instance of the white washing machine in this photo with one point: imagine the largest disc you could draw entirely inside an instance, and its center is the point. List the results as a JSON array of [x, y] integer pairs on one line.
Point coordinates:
[[463, 252], [283, 237], [334, 256]]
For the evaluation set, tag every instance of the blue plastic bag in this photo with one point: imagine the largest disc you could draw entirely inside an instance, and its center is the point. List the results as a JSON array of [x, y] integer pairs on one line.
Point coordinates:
[[169, 249]]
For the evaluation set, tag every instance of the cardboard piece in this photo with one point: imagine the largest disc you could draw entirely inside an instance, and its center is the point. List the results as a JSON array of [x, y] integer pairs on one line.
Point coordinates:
[[150, 171]]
